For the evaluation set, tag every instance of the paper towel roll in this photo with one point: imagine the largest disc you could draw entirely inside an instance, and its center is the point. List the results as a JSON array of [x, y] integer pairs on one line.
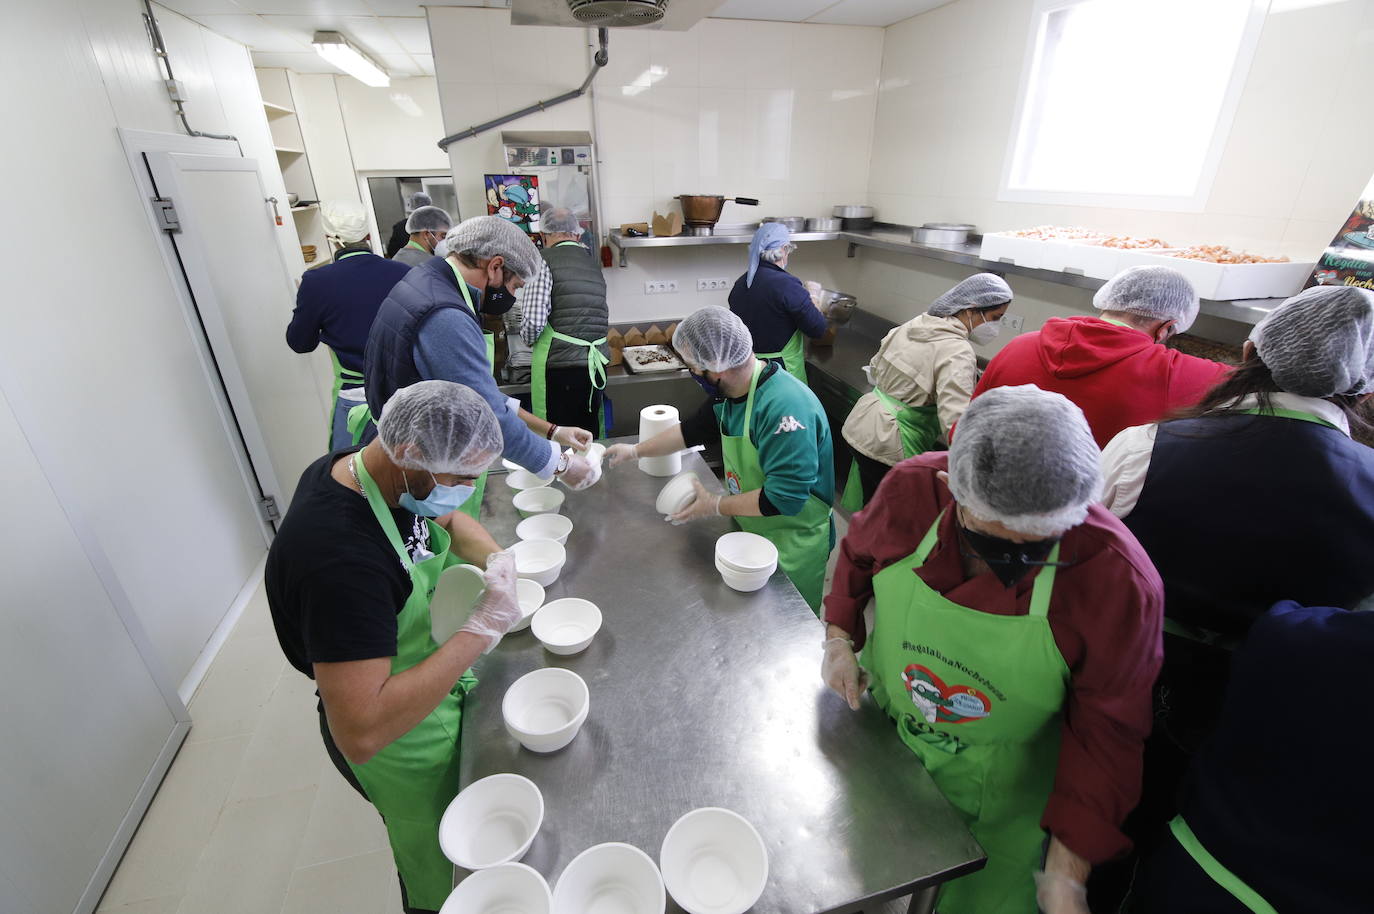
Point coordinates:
[[652, 420]]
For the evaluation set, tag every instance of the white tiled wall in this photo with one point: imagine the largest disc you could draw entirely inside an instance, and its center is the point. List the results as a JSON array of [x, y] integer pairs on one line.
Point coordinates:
[[777, 111]]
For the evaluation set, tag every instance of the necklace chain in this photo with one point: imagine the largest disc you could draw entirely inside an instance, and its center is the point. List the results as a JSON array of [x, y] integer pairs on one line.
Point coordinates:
[[353, 468]]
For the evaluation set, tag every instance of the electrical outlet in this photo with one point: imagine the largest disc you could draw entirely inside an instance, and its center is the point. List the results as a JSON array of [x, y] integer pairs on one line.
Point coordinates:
[[713, 285], [660, 286], [1015, 323]]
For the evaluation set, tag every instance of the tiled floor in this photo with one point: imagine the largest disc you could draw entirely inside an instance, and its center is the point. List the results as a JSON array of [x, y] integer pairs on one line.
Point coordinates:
[[252, 818]]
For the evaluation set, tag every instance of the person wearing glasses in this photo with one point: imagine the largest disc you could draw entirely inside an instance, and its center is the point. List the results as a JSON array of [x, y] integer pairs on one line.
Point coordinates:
[[774, 304], [1016, 636]]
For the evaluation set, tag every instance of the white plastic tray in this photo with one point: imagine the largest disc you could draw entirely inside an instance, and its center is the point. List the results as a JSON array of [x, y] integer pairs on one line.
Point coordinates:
[[634, 359]]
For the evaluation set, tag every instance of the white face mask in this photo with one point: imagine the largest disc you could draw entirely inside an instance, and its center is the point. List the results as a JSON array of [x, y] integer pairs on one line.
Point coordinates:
[[985, 333]]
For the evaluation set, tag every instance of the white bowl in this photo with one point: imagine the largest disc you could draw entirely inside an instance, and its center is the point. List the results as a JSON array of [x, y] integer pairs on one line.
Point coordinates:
[[545, 709], [523, 479], [677, 494], [746, 552], [531, 597], [539, 500], [510, 887], [610, 879], [491, 821], [567, 626], [455, 596], [594, 452], [742, 581], [554, 527], [539, 560], [714, 862], [510, 465]]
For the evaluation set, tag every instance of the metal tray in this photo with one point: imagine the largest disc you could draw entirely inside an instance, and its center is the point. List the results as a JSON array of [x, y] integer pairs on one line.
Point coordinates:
[[636, 363]]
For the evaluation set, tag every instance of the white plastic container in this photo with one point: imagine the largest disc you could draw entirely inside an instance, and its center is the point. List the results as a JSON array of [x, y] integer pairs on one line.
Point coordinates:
[[455, 597], [554, 527], [531, 597], [566, 626], [539, 500], [501, 890], [1094, 260], [539, 560], [510, 465], [714, 862], [1024, 252], [523, 479], [676, 495], [545, 709], [745, 582], [747, 552], [491, 821], [1232, 281], [610, 879]]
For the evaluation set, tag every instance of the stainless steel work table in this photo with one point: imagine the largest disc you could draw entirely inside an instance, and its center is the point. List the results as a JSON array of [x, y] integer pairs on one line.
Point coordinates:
[[702, 696]]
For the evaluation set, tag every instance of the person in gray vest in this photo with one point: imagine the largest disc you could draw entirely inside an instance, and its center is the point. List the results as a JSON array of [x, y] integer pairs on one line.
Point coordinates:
[[427, 226], [564, 322]]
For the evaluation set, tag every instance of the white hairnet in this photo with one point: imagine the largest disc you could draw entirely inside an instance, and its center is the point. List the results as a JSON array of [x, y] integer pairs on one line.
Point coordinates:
[[560, 222], [428, 219], [1320, 343], [715, 338], [344, 219], [981, 290], [1159, 292], [451, 428], [417, 200], [1025, 458], [485, 237]]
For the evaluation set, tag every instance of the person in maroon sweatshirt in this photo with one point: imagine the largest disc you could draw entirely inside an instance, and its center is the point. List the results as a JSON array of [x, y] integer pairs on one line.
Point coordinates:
[[1112, 365]]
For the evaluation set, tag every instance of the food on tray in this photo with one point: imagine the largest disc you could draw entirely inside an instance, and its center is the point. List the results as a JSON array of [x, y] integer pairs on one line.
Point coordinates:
[[1089, 236], [1220, 253], [651, 356]]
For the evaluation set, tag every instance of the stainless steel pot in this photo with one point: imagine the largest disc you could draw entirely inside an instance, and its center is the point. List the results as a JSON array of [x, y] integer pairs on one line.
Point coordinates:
[[792, 223], [837, 306], [853, 211], [943, 233], [702, 211], [823, 224]]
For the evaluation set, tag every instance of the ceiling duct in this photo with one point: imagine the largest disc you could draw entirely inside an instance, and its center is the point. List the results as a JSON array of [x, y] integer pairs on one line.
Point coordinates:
[[617, 13], [667, 15]]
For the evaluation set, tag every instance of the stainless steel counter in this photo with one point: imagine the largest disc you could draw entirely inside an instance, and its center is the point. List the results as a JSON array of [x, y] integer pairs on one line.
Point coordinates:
[[702, 696]]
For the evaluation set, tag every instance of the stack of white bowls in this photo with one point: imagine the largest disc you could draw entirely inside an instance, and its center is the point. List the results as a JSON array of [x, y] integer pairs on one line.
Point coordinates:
[[745, 560]]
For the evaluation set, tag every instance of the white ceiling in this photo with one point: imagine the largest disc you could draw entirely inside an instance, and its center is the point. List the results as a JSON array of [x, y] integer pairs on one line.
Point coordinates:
[[394, 32]]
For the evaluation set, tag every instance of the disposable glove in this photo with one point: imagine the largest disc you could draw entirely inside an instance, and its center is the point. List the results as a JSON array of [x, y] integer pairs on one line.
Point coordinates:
[[499, 607], [617, 454], [580, 473], [579, 439], [1058, 894], [703, 504], [841, 671]]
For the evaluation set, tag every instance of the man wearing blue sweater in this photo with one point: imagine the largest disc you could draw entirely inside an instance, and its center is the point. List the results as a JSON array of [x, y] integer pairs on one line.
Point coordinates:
[[335, 305]]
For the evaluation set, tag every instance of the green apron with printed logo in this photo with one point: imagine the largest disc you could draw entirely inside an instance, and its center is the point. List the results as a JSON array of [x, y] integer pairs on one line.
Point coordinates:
[[1217, 870], [539, 360], [803, 540], [793, 356], [359, 416], [412, 780], [978, 697], [920, 429]]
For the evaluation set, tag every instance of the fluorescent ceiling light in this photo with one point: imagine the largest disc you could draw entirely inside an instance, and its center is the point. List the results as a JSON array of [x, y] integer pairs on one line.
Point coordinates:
[[340, 52]]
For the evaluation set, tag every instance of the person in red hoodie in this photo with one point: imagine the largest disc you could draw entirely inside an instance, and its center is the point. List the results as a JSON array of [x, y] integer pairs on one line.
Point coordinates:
[[1112, 365]]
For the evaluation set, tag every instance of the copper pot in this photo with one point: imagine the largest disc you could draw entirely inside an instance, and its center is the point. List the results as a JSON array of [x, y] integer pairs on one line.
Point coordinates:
[[704, 210]]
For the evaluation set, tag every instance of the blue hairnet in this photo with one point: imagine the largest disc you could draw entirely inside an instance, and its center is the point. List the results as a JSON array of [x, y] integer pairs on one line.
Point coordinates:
[[770, 235]]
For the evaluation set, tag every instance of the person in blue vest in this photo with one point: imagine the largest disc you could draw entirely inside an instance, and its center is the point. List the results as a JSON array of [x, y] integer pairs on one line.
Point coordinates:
[[335, 305], [774, 304], [1266, 824], [429, 328], [426, 227], [1256, 495]]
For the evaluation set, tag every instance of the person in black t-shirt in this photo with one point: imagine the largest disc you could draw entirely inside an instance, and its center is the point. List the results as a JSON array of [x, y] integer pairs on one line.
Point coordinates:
[[349, 580]]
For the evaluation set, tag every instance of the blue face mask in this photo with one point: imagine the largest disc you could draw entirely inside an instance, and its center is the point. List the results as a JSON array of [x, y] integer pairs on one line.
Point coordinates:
[[440, 501], [712, 388]]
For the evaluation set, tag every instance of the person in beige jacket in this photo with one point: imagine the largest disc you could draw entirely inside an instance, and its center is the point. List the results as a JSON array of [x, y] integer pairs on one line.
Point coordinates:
[[923, 377]]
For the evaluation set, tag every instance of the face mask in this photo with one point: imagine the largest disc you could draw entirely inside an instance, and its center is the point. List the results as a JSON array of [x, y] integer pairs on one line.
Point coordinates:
[[1009, 561], [712, 388], [440, 501], [497, 300], [985, 333]]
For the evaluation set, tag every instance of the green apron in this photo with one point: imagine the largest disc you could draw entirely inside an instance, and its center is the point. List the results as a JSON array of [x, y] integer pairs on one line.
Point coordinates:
[[1217, 870], [596, 368], [803, 540], [412, 780], [342, 376], [978, 698], [793, 356], [920, 429], [359, 416]]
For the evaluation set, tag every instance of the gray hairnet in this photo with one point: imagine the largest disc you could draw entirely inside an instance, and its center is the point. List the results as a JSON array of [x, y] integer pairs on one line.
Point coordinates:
[[1159, 292], [981, 290], [451, 428], [715, 338], [417, 200], [345, 220], [428, 219], [1320, 343], [560, 222], [485, 237], [1025, 458]]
